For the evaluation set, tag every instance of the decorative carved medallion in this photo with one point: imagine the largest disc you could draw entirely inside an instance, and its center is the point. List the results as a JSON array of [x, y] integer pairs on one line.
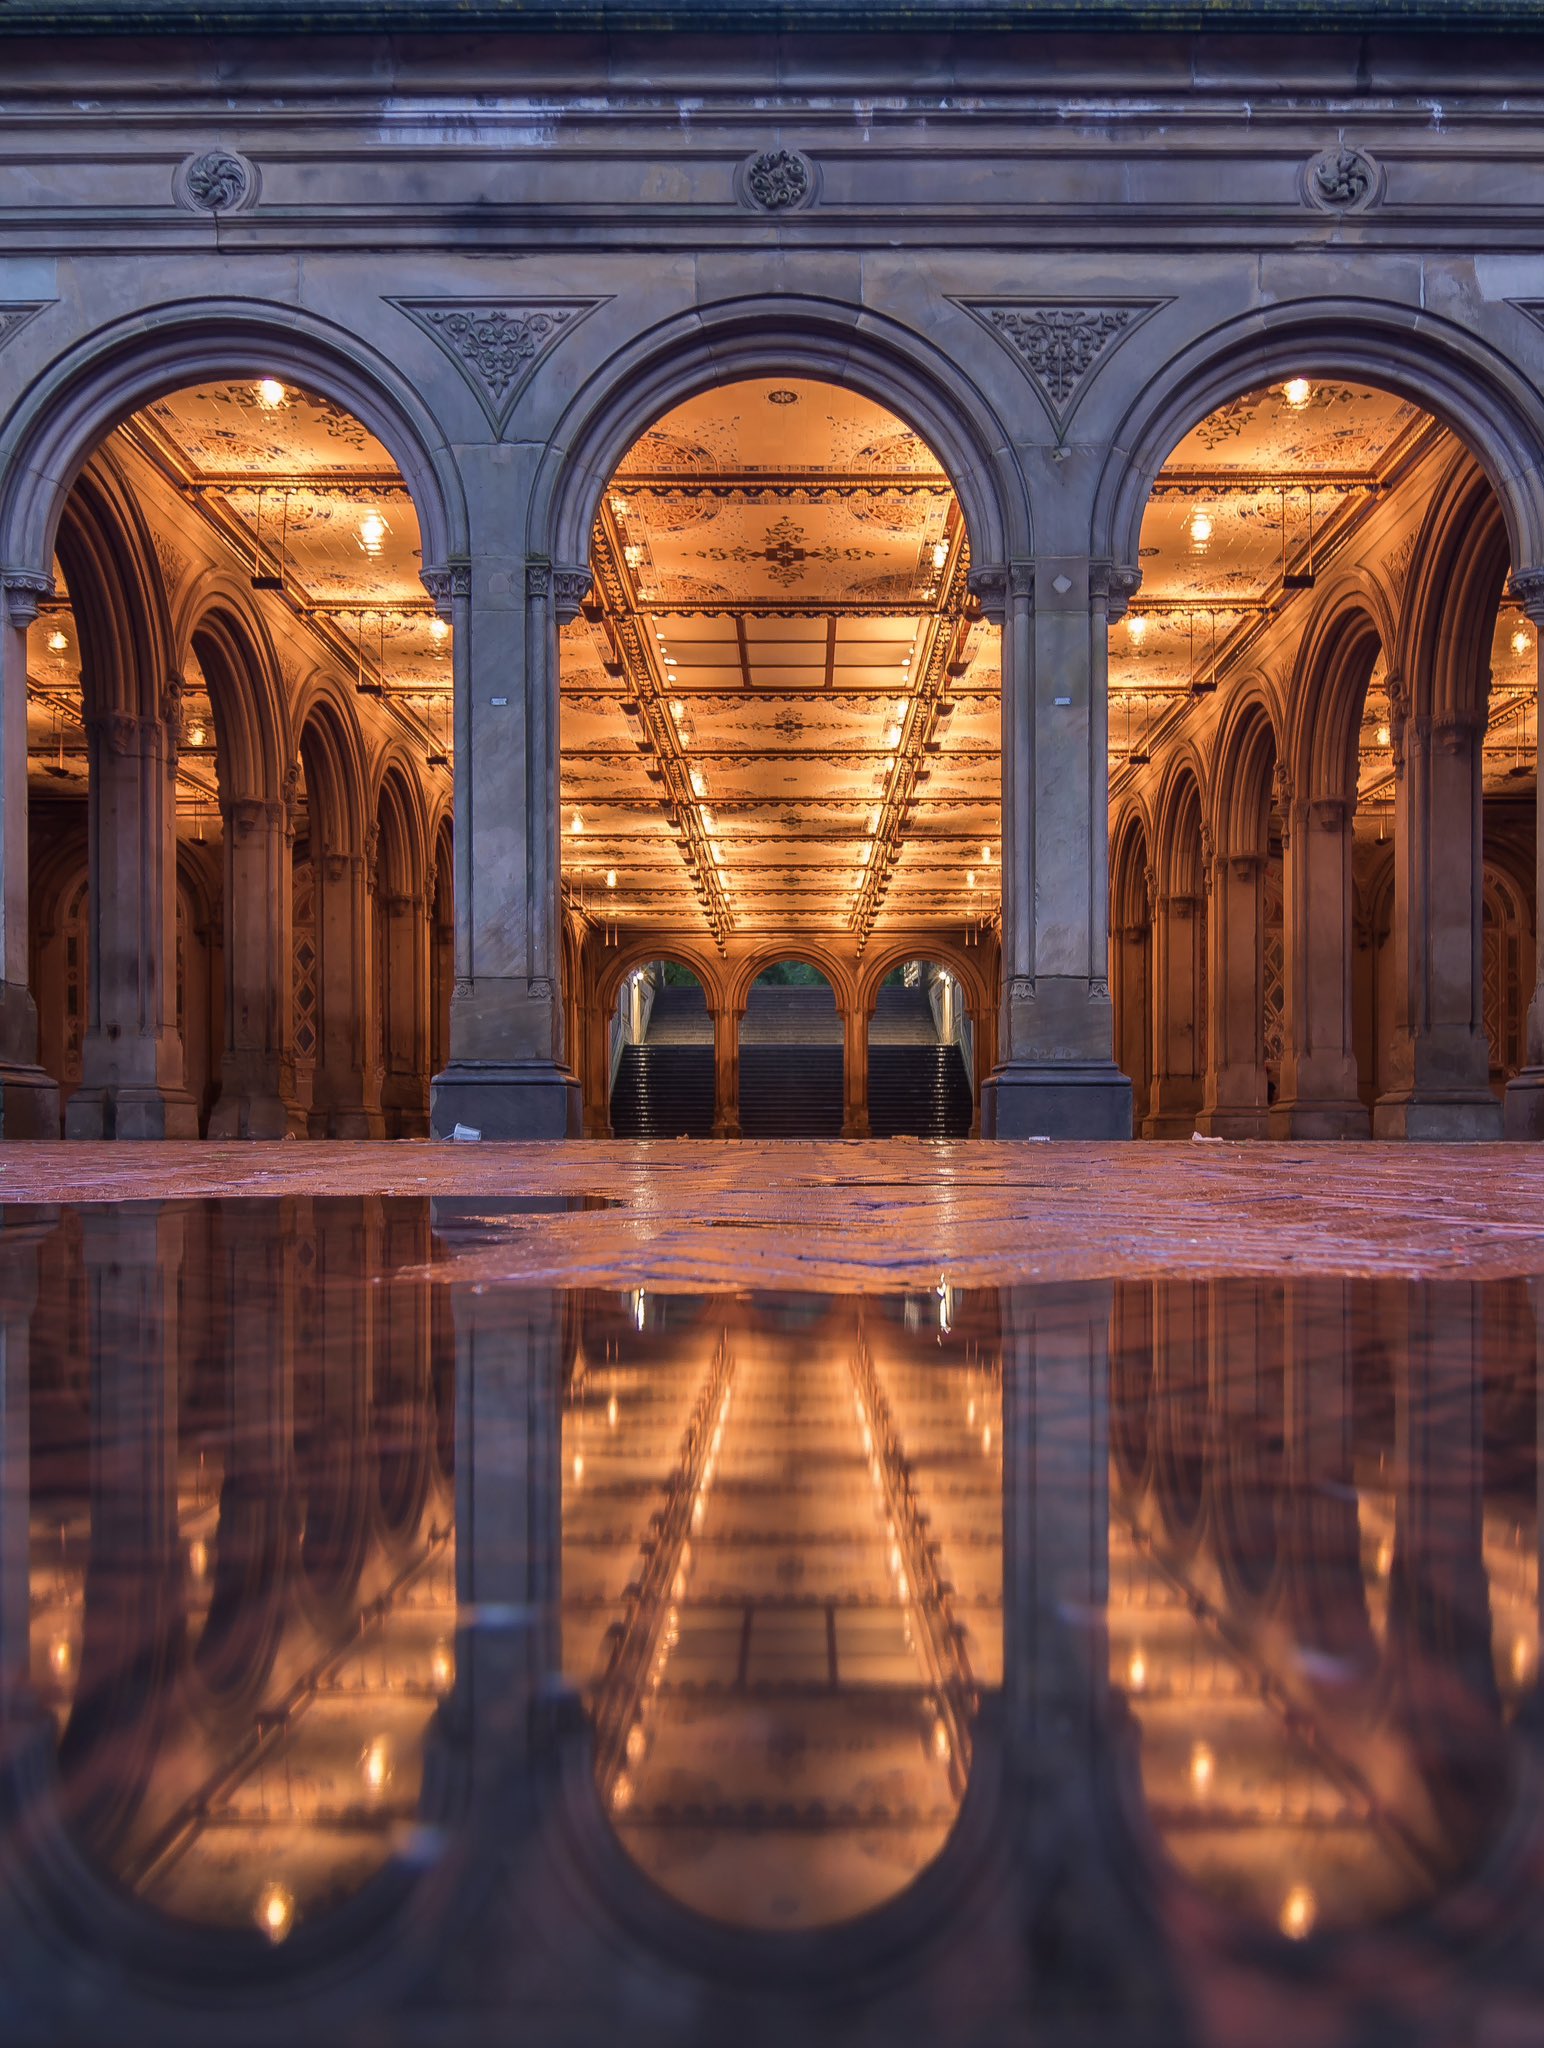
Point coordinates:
[[496, 343], [778, 180], [15, 313], [1342, 180], [1059, 343], [218, 181]]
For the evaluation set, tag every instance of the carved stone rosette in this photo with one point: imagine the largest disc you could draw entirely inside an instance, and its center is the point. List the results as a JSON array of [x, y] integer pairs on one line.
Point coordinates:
[[216, 181], [1342, 180], [777, 181]]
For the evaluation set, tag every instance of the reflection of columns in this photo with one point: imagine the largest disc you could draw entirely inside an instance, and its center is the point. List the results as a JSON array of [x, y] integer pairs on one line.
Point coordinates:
[[1318, 1063], [1440, 1059], [29, 1098], [726, 1071], [19, 1710], [346, 1087], [1056, 1075], [1179, 928], [506, 1076], [1233, 1097], [855, 1071], [257, 1072], [1319, 1529], [1525, 1092], [405, 1087], [131, 1062]]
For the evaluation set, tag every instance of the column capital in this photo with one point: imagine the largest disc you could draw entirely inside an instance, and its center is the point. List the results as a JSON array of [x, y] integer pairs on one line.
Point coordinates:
[[1526, 588], [24, 591], [447, 581], [996, 586], [1115, 584], [570, 587], [244, 814]]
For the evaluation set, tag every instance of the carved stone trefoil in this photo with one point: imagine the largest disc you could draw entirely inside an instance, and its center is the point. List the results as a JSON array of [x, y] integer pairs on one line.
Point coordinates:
[[778, 180], [216, 181], [1342, 180], [1059, 343], [496, 343]]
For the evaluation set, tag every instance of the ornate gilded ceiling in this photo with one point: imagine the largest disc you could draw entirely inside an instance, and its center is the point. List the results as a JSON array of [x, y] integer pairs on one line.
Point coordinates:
[[779, 633]]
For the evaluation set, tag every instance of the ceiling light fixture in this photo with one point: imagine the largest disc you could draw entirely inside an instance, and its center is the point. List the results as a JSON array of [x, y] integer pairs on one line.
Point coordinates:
[[1136, 628], [611, 878], [270, 394], [940, 553], [439, 631], [1297, 391], [970, 878], [58, 641], [1384, 735], [1200, 531], [372, 532], [576, 824], [1522, 640]]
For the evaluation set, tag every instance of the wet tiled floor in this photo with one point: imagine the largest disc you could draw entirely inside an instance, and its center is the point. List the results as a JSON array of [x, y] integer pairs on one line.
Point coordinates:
[[842, 1594]]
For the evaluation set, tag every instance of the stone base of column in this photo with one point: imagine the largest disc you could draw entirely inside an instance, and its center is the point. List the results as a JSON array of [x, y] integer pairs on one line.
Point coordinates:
[[1171, 1124], [135, 1110], [1438, 1120], [1226, 1122], [726, 1125], [1523, 1111], [242, 1113], [1320, 1120], [525, 1099], [1056, 1099], [29, 1103]]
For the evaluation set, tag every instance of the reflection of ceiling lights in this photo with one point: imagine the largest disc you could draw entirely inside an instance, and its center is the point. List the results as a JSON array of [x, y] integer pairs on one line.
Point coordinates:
[[1297, 391], [372, 532], [270, 394], [1298, 1913], [275, 1911]]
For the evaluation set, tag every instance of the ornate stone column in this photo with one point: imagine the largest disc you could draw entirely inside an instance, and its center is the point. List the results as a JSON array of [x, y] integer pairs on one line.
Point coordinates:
[[1179, 929], [726, 1071], [131, 1061], [405, 1087], [1525, 1092], [257, 1071], [1318, 1061], [508, 1076], [855, 1072], [1233, 1103], [346, 1086], [1440, 1060], [29, 1098], [1056, 1075]]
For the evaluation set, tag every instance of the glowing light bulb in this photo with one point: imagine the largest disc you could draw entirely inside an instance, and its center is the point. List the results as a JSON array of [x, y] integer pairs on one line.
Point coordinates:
[[1136, 629], [1522, 640], [1299, 1910], [611, 878], [1136, 1671], [1383, 735], [61, 1657], [442, 1668], [372, 531], [576, 823], [1200, 530], [270, 394], [375, 1764], [1202, 1767], [1297, 391], [58, 640], [275, 1912]]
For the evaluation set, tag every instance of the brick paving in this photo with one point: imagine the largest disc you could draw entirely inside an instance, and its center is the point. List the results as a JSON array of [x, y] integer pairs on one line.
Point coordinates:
[[872, 1215]]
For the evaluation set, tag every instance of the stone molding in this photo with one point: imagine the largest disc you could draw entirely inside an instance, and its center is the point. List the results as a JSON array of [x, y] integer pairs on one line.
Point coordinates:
[[1060, 342], [216, 181], [570, 587], [496, 344], [1526, 587]]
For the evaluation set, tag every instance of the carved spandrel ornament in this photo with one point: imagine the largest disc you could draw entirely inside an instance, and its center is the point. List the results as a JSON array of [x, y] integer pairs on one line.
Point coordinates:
[[1342, 180], [15, 313], [216, 181], [496, 344], [1059, 342], [777, 180]]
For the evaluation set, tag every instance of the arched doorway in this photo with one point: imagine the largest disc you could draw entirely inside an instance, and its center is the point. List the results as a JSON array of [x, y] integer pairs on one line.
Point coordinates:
[[792, 1068], [660, 1054], [921, 1054]]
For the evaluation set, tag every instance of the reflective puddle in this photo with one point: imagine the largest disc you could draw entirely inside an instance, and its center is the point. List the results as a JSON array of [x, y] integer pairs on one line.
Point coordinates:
[[767, 1614]]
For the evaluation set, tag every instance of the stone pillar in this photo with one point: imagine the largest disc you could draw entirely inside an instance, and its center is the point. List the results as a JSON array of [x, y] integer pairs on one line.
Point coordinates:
[[507, 1075], [1440, 1060], [131, 1061], [346, 1086], [1318, 1061], [257, 1072], [1179, 928], [29, 1098], [855, 1071], [593, 1061], [1234, 1101], [404, 929], [726, 1071], [1131, 994], [1056, 1074], [1525, 1091]]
